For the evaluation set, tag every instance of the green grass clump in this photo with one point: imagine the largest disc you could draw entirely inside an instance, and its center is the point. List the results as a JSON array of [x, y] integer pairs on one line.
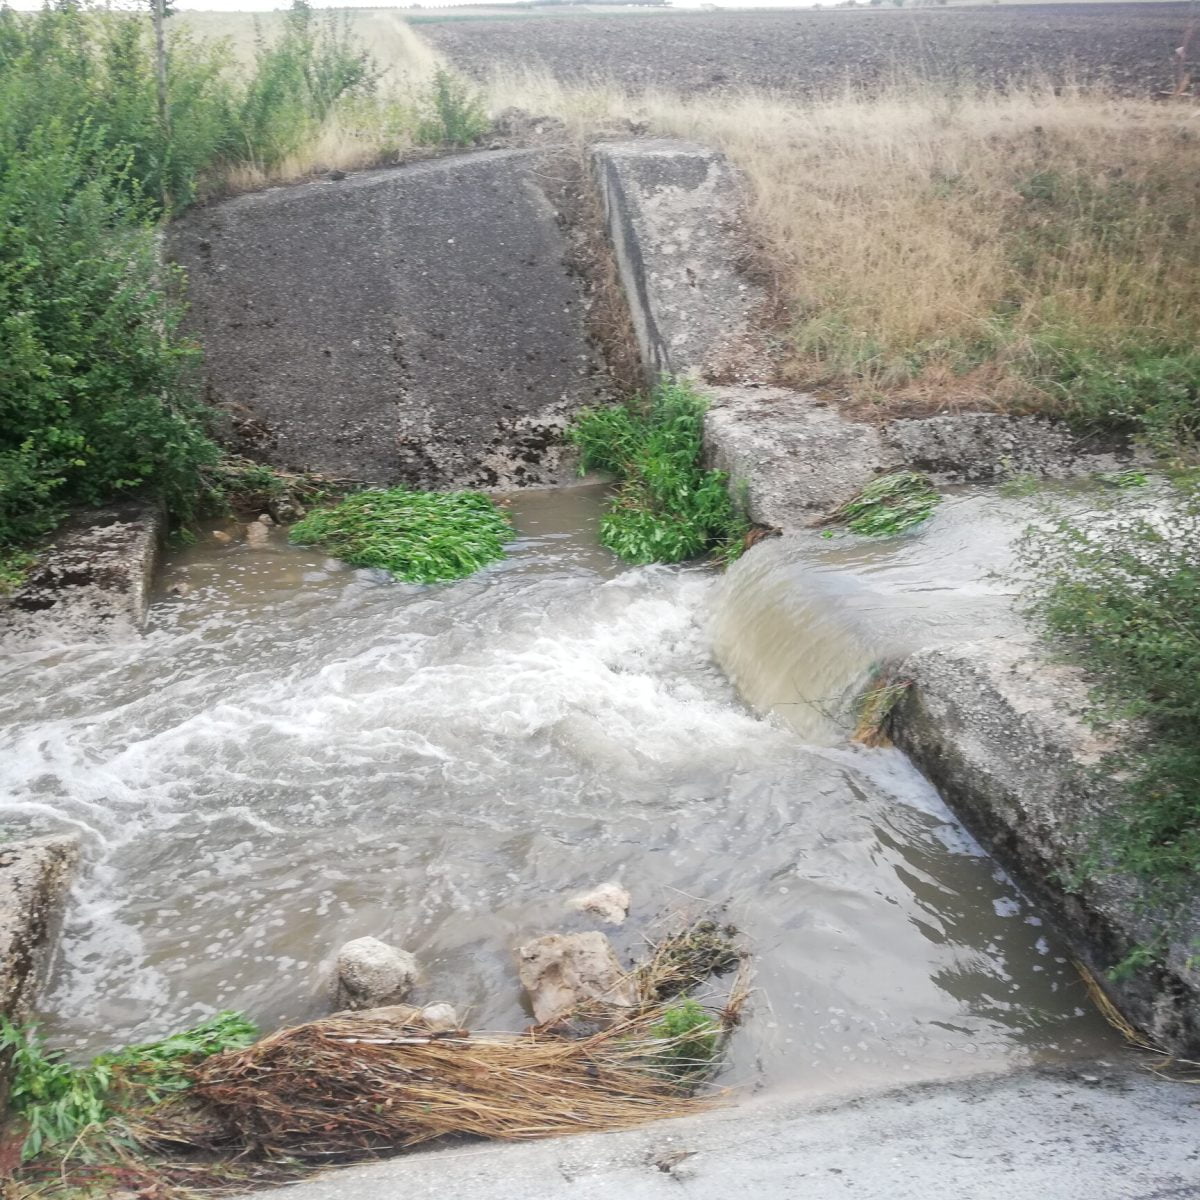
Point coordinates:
[[668, 507], [420, 537], [691, 1039], [889, 505], [1119, 596], [58, 1100]]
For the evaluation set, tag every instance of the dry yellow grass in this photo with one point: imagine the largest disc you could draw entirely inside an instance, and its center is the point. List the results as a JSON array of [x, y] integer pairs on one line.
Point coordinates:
[[911, 230], [403, 56]]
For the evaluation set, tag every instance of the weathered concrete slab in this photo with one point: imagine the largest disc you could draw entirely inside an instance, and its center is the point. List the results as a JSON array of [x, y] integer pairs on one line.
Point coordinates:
[[34, 877], [412, 325], [794, 457], [674, 213], [93, 579], [1094, 1133], [1000, 733], [789, 457]]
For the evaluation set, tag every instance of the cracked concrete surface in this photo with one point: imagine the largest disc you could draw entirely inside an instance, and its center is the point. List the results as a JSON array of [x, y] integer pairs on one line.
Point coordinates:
[[1092, 1132]]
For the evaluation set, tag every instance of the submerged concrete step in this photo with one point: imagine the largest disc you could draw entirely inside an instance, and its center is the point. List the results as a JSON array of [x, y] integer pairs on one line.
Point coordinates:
[[416, 324]]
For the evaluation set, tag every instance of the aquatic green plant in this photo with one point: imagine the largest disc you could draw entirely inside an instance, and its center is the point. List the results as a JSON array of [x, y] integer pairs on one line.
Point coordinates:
[[889, 505], [58, 1100], [668, 507], [691, 1039], [420, 537]]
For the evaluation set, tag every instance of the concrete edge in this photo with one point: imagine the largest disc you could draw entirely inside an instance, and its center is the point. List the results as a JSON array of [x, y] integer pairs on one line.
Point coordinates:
[[1000, 734], [1051, 1131], [92, 579], [35, 876]]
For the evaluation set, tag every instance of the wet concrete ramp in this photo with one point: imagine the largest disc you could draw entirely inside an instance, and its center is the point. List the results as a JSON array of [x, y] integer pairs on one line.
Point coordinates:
[[415, 324]]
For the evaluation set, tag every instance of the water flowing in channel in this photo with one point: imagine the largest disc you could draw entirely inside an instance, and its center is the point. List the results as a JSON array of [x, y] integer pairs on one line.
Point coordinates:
[[298, 753]]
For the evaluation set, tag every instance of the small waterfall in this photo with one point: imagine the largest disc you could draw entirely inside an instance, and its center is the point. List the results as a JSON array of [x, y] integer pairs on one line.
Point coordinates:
[[795, 640]]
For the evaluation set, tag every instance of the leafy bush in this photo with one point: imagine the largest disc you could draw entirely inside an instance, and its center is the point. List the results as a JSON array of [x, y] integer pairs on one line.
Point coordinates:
[[889, 505], [58, 1100], [453, 115], [1149, 390], [1121, 598], [420, 537], [94, 400], [668, 508], [295, 84]]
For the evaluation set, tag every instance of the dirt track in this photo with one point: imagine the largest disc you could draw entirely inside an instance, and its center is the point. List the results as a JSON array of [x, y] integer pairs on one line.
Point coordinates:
[[815, 50]]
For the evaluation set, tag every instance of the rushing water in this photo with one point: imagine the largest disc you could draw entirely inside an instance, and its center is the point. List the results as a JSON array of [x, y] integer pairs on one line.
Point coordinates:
[[298, 753]]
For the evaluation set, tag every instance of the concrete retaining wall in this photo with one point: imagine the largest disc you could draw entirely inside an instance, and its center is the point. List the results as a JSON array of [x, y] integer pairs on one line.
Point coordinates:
[[793, 457], [92, 579], [412, 325]]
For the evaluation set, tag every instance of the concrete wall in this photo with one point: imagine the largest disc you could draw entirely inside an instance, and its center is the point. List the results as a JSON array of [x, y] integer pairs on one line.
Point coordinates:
[[34, 877], [92, 579], [674, 216], [412, 325], [793, 457]]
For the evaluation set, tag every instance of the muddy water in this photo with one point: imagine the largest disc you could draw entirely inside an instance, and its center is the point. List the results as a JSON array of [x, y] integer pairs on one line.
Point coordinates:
[[801, 624], [299, 753]]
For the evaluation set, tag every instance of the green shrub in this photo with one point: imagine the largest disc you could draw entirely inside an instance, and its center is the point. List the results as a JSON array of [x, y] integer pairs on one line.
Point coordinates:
[[667, 508], [1120, 596], [452, 114], [58, 1100], [889, 505], [1152, 391], [296, 82], [95, 398], [420, 537]]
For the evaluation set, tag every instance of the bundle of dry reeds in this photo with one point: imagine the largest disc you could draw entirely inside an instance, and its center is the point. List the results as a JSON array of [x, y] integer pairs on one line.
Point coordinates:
[[362, 1082]]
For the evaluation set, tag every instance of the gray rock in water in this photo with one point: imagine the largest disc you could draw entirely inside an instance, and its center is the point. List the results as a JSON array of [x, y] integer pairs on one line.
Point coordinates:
[[258, 535], [370, 973], [562, 971]]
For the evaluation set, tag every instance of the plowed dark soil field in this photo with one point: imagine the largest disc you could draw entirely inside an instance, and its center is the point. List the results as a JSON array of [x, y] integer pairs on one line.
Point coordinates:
[[805, 51]]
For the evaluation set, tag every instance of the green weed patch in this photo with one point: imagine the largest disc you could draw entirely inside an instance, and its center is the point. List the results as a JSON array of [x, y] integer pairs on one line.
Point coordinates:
[[668, 508], [889, 505], [1120, 597], [58, 1101], [420, 537]]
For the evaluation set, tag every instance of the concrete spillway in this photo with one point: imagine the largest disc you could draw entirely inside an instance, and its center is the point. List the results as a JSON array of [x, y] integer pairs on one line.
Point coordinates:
[[417, 324]]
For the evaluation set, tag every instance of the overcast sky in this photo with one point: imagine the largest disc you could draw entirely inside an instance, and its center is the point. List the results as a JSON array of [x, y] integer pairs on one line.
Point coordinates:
[[264, 5]]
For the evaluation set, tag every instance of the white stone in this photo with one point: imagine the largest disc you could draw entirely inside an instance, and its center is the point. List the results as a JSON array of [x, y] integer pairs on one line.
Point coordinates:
[[610, 902], [371, 973], [441, 1018]]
